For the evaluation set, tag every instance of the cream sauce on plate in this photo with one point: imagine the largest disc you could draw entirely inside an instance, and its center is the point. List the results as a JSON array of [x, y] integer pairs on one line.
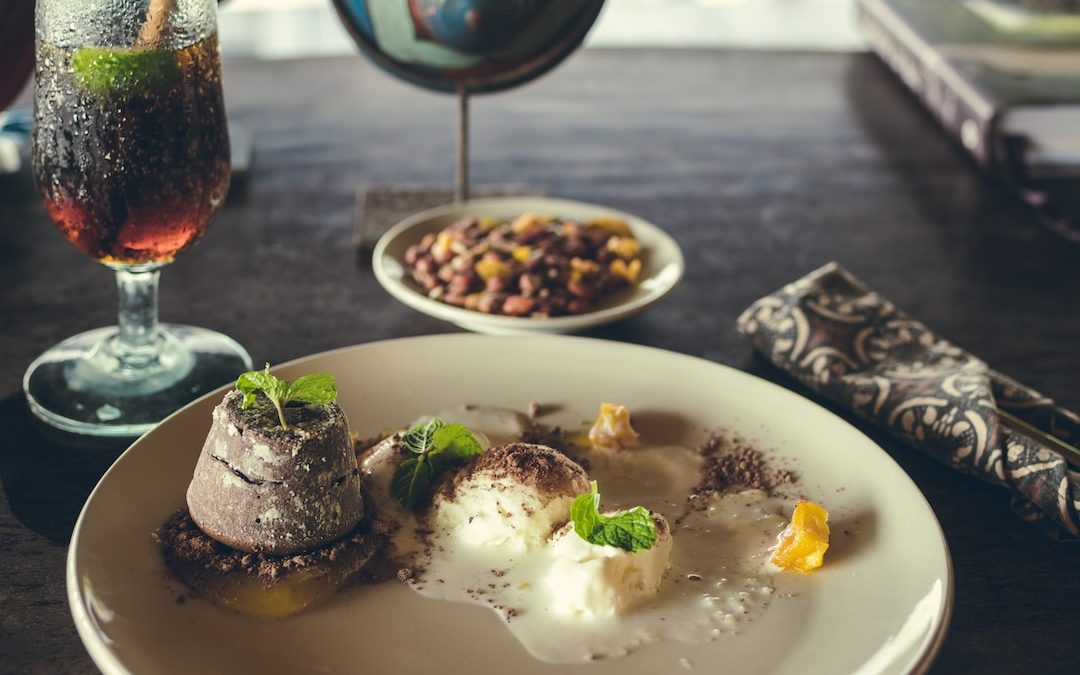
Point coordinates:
[[719, 578]]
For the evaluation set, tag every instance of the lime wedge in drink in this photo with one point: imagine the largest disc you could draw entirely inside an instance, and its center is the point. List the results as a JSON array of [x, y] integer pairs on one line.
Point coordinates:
[[116, 72]]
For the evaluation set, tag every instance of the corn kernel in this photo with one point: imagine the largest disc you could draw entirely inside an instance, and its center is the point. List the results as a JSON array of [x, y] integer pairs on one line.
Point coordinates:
[[613, 225], [472, 300], [480, 249], [802, 545], [626, 248], [488, 223], [441, 247], [630, 272], [584, 266], [488, 269], [524, 222], [521, 253], [612, 429]]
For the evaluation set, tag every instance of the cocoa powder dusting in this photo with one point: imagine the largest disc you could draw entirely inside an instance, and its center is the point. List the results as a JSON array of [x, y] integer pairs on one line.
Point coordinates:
[[732, 463], [539, 466], [553, 436]]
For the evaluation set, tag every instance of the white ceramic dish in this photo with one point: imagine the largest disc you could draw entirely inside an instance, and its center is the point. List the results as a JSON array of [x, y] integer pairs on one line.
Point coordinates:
[[661, 272], [879, 605]]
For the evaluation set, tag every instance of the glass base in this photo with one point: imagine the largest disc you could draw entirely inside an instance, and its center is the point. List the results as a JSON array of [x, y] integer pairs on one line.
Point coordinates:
[[83, 386]]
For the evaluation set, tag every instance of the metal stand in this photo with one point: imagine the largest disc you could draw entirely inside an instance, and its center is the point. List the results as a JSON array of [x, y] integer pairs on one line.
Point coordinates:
[[379, 207], [461, 177]]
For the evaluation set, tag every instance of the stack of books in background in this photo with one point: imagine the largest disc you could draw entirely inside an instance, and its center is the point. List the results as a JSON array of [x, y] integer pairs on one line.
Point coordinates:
[[1003, 77]]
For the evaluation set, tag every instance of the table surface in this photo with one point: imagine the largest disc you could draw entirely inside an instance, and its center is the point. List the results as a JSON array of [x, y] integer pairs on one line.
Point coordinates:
[[762, 165]]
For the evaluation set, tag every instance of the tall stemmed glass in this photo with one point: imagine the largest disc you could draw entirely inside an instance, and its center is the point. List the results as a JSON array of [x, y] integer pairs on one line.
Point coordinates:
[[131, 156]]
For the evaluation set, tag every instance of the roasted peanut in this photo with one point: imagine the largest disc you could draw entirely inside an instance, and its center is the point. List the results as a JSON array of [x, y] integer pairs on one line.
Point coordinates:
[[517, 305], [529, 283], [490, 302], [534, 266], [461, 283]]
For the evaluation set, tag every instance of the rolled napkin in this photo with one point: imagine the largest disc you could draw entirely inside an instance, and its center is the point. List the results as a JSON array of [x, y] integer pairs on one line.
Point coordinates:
[[856, 348]]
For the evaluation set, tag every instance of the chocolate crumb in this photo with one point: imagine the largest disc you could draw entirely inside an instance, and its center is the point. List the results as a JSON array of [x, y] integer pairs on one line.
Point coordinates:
[[405, 574], [193, 556]]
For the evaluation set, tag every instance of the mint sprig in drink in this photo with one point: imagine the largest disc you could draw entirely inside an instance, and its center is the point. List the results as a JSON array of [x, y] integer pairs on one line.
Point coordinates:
[[131, 156]]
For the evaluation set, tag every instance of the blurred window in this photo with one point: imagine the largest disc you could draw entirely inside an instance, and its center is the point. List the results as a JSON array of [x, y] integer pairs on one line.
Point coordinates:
[[297, 28]]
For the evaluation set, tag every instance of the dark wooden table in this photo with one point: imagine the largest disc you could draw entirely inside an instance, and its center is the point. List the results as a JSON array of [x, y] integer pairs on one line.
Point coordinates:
[[762, 165]]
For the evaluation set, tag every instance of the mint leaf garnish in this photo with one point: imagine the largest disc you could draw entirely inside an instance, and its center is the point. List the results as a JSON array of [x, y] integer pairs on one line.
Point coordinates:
[[632, 530], [412, 480], [120, 73], [454, 441], [437, 446], [254, 381], [311, 389], [422, 436]]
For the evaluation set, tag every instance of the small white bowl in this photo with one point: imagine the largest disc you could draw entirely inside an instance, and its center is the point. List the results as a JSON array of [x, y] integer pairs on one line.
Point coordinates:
[[662, 265]]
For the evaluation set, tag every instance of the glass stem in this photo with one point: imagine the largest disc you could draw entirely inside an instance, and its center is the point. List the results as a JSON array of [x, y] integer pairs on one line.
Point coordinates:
[[137, 345]]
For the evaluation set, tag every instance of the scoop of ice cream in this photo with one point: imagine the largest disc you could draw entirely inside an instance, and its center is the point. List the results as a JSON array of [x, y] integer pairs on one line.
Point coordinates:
[[513, 495], [260, 487], [589, 580]]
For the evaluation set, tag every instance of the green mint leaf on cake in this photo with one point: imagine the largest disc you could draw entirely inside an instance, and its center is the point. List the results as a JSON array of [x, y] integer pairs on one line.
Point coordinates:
[[436, 447], [314, 389], [632, 530], [121, 73], [255, 381], [317, 389]]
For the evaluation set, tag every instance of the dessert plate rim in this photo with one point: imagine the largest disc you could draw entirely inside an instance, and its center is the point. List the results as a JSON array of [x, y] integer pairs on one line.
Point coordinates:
[[934, 610]]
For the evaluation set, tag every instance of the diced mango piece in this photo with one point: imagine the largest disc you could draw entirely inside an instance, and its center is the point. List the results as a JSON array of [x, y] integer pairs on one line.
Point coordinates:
[[490, 268], [630, 271], [626, 248], [612, 429], [802, 545]]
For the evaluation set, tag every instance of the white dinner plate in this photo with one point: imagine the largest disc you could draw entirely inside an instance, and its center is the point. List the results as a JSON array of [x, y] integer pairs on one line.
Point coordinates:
[[880, 604], [662, 265]]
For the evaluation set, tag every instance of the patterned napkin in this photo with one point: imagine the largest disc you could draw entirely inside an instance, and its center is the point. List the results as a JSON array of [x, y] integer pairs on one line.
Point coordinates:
[[856, 348]]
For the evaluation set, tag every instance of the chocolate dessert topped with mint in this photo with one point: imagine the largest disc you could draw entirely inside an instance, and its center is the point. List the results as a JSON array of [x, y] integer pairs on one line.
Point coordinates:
[[277, 473], [275, 496]]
